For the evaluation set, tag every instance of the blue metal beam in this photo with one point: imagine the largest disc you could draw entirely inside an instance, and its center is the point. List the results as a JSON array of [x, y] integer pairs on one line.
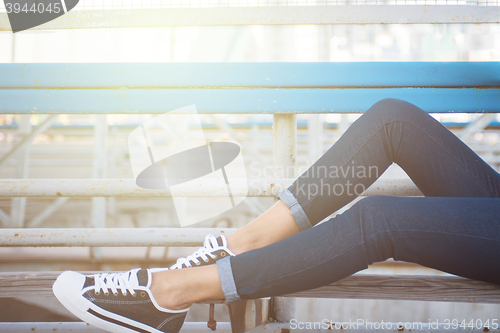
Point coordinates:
[[223, 101], [220, 75]]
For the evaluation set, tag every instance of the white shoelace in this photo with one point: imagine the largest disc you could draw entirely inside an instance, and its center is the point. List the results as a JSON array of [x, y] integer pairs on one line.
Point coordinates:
[[113, 281], [203, 253]]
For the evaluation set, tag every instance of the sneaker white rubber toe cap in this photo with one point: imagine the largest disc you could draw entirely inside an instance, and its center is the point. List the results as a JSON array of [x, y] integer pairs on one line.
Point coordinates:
[[68, 290]]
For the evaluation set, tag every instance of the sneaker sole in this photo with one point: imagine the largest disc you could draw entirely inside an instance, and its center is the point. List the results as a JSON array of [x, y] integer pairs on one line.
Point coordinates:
[[80, 307]]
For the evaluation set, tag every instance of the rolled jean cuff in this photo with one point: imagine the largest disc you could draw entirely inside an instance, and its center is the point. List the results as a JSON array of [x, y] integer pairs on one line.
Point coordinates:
[[227, 280], [296, 209]]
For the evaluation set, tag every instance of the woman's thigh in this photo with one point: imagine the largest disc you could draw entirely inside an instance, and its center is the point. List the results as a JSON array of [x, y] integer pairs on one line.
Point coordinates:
[[393, 131]]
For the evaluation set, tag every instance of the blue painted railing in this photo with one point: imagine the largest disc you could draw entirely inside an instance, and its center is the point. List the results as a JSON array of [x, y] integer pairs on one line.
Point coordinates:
[[247, 87]]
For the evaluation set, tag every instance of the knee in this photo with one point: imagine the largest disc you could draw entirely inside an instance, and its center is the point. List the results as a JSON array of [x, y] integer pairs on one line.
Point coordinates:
[[393, 109], [375, 222], [372, 205], [373, 211]]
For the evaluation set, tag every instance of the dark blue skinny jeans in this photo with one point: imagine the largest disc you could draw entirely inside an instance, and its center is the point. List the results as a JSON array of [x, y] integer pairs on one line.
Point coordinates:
[[455, 228]]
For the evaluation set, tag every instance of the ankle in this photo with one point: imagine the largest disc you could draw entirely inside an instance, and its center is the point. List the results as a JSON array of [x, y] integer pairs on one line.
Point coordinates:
[[239, 245], [165, 293]]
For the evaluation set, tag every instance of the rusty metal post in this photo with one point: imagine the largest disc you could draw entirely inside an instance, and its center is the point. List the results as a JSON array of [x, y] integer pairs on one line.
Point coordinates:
[[285, 156], [248, 314], [18, 208], [99, 170], [315, 135], [212, 324], [285, 145], [283, 309]]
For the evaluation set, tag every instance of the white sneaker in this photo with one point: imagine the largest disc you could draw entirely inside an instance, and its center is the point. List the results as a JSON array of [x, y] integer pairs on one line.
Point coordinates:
[[214, 248], [117, 302]]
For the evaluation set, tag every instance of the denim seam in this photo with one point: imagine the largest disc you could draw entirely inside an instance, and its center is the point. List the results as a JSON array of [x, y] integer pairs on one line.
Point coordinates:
[[362, 232], [437, 232], [421, 231]]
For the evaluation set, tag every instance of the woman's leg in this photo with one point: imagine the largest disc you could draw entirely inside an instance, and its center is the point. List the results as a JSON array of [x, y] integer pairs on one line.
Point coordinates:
[[391, 131], [435, 159], [453, 234], [456, 235]]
